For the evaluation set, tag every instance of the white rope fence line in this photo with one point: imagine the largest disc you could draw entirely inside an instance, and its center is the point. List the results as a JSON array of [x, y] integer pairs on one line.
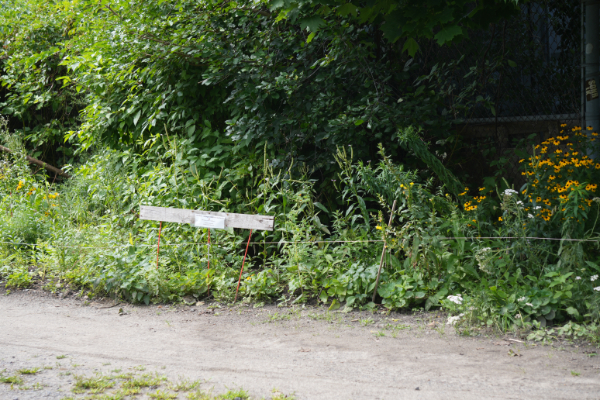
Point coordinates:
[[313, 242], [191, 243]]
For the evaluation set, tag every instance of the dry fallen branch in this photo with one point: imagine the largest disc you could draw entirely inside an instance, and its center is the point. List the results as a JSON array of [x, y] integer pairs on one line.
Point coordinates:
[[40, 163]]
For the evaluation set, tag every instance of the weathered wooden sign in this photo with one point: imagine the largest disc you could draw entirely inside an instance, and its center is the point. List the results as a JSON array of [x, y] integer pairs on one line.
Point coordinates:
[[207, 219]]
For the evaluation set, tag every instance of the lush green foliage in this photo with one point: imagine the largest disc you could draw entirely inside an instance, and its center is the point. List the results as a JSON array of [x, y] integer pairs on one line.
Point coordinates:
[[136, 70], [89, 237], [444, 21], [234, 107]]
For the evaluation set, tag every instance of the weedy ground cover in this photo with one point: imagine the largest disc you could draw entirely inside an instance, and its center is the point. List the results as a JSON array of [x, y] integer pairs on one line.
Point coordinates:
[[83, 236], [154, 386]]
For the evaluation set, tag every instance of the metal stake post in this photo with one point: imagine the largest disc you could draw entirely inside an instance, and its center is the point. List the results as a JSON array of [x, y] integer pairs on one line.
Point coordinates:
[[158, 247], [242, 270], [592, 66]]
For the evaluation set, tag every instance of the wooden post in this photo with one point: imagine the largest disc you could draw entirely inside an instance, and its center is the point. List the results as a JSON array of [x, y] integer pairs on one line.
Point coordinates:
[[383, 254], [242, 270]]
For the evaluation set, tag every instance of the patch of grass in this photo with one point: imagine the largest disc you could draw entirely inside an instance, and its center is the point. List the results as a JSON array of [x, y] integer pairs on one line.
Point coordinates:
[[366, 321], [143, 381], [277, 395], [139, 368], [232, 394], [61, 357], [119, 395], [183, 385], [199, 396], [278, 317], [328, 316], [575, 373], [12, 380], [160, 395], [130, 391], [125, 376], [28, 371], [95, 384], [35, 386]]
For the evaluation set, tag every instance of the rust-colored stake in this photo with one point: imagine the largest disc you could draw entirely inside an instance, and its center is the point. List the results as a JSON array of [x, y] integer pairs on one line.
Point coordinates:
[[242, 270], [158, 247], [208, 285]]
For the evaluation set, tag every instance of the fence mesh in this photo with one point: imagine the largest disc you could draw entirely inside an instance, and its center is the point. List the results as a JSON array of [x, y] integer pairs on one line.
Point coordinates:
[[529, 67], [526, 73]]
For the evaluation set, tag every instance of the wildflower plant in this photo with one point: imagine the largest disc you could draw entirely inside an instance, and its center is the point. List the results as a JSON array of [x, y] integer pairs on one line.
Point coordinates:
[[563, 179]]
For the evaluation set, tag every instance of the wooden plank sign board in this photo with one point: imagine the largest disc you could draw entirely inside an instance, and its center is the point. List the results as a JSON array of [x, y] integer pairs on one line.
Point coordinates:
[[208, 219]]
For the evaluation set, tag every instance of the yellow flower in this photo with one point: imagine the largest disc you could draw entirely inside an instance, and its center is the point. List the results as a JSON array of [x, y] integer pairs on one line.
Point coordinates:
[[378, 227], [411, 184], [474, 220], [500, 219]]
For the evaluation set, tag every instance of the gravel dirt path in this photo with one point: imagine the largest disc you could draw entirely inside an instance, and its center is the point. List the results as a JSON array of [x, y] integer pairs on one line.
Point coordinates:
[[310, 353]]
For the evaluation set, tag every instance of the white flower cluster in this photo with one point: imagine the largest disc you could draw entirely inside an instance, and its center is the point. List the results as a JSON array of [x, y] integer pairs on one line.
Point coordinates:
[[529, 304], [454, 320], [510, 192], [530, 216], [593, 278], [456, 299], [577, 278], [522, 298], [485, 258], [597, 289]]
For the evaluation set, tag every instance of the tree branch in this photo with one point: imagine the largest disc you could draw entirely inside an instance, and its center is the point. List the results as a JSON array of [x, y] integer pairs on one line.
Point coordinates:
[[40, 163]]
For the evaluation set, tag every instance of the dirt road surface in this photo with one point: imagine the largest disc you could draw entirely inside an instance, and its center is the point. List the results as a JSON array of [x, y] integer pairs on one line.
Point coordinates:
[[310, 353]]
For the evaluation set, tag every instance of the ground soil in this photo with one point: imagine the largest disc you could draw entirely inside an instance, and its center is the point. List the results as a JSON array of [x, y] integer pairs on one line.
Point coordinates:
[[308, 352]]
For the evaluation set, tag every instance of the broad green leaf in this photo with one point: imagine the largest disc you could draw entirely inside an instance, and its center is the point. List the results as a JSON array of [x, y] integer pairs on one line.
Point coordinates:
[[137, 117], [572, 311], [447, 34], [411, 46], [346, 9], [312, 24]]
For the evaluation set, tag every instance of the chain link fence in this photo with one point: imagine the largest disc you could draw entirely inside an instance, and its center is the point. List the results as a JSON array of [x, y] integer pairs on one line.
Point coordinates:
[[526, 75]]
